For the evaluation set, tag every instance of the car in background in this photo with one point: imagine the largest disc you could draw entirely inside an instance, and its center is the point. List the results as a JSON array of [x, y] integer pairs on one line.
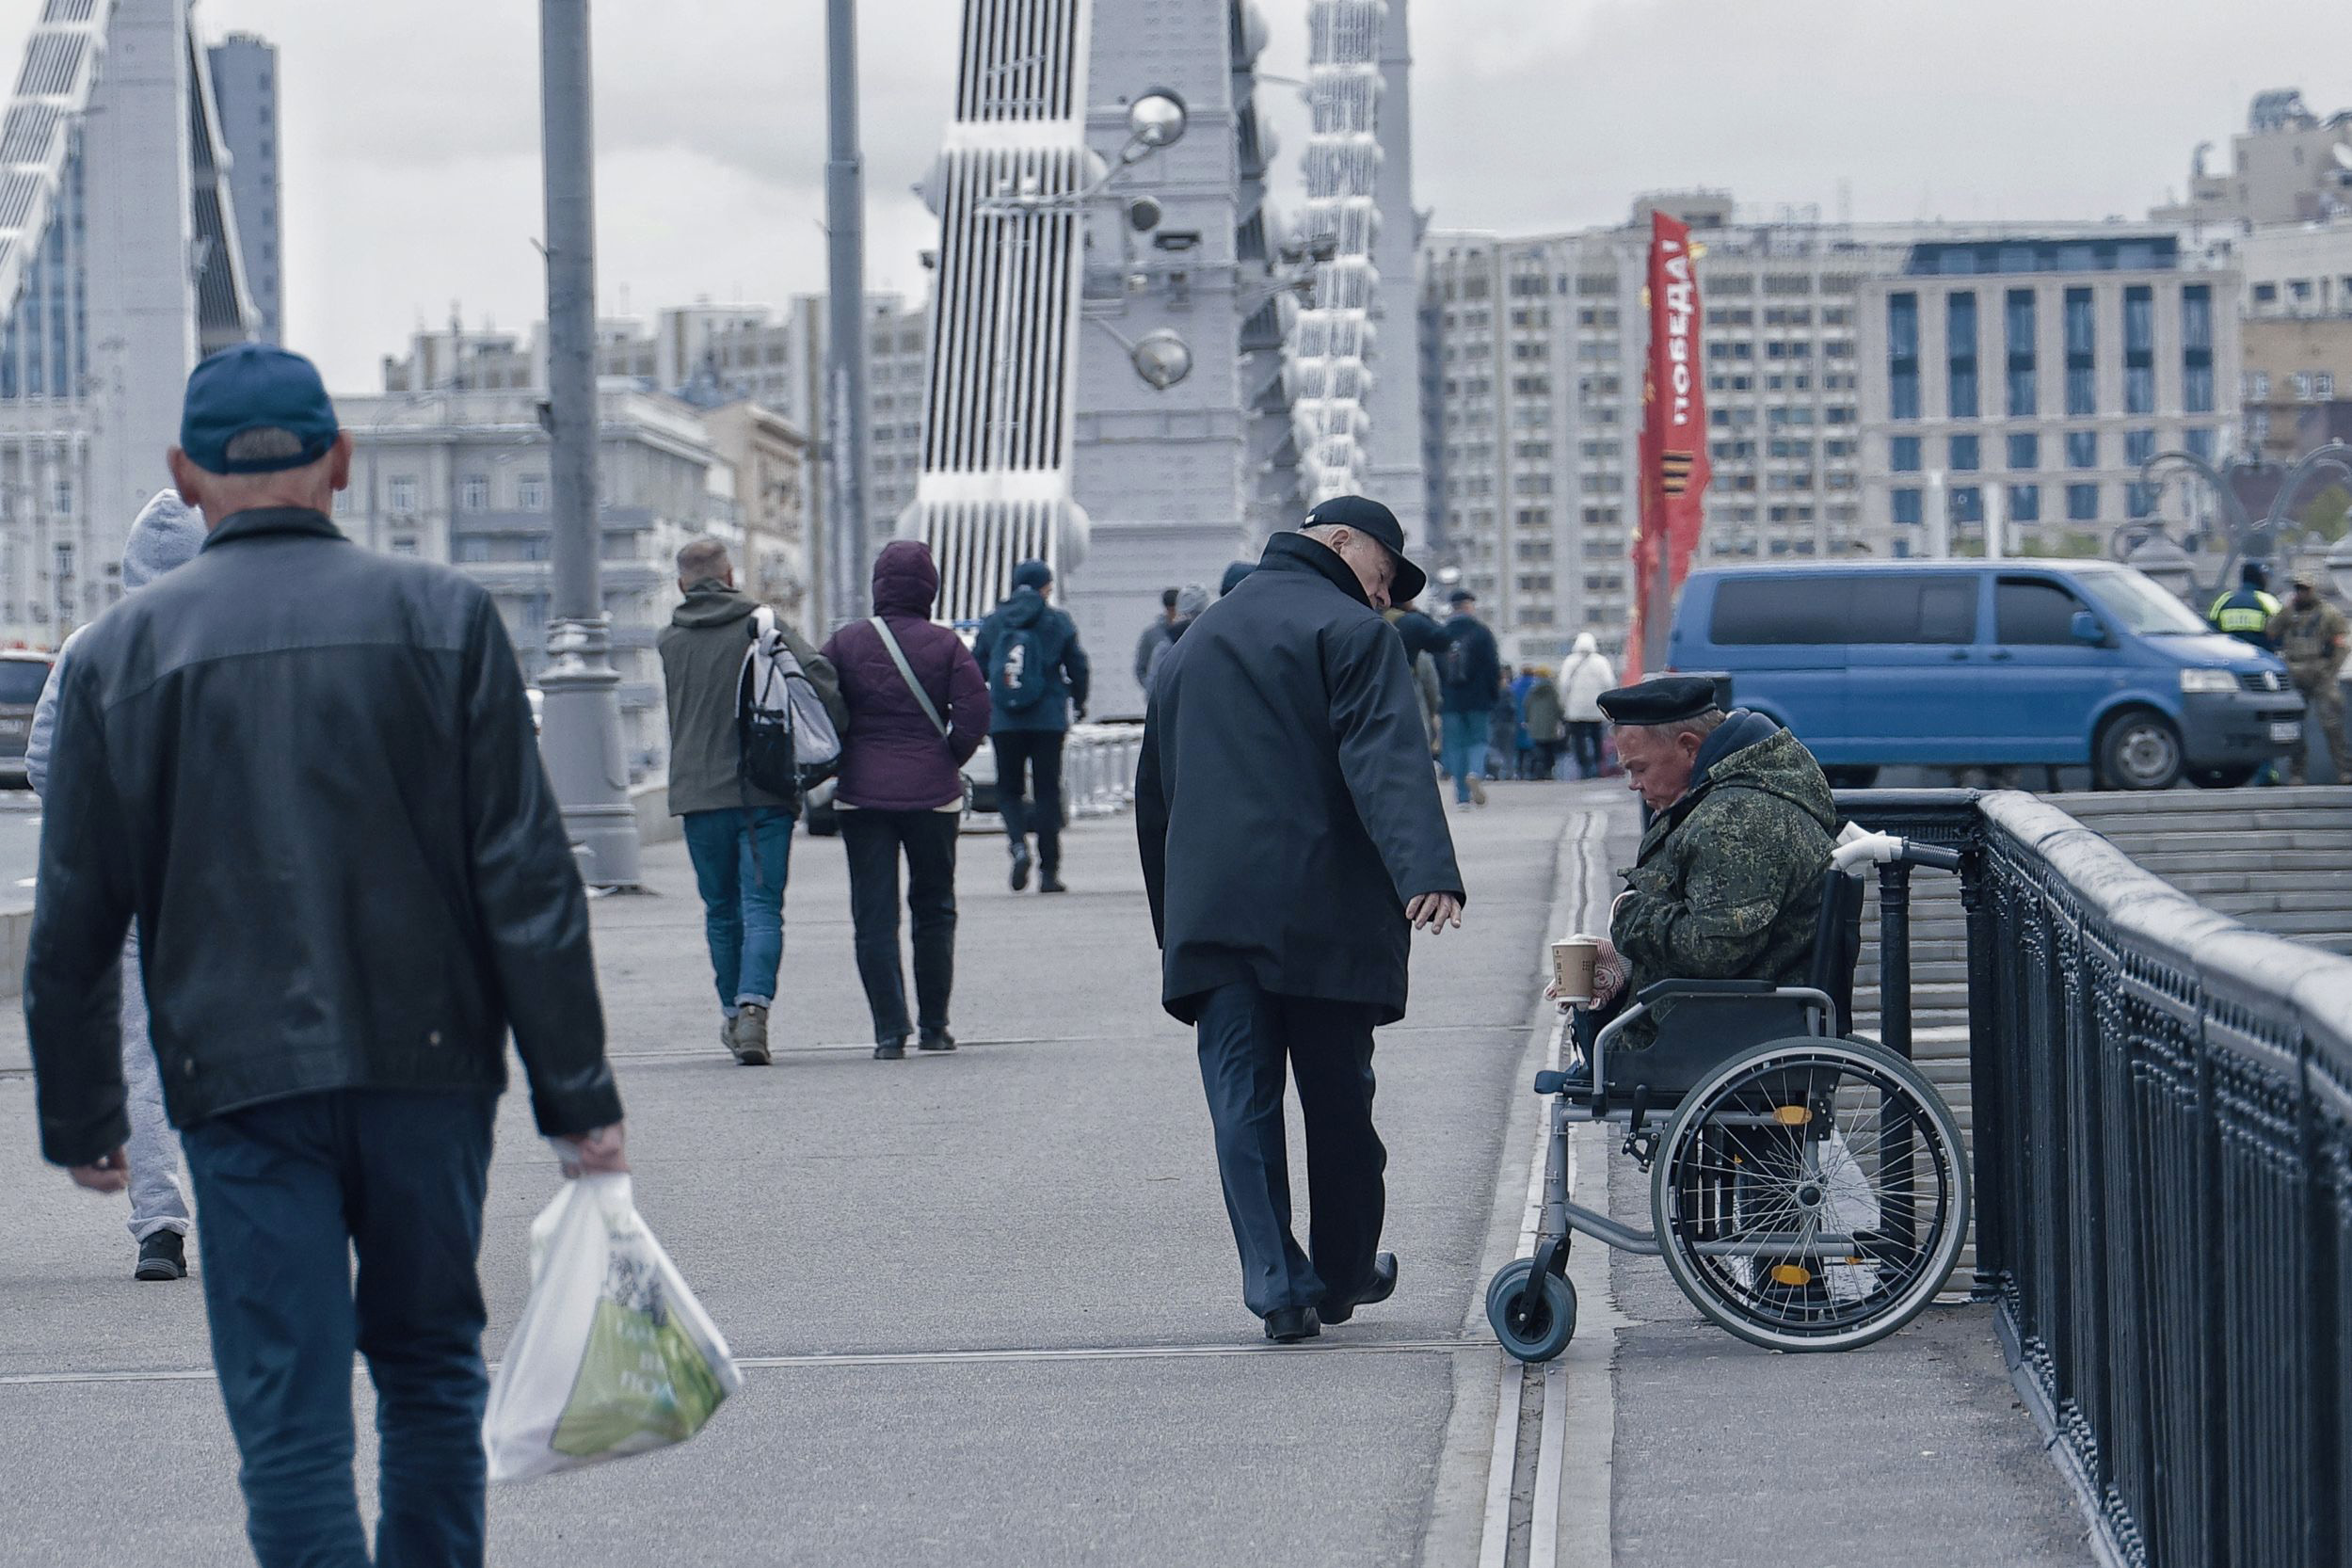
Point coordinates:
[[1990, 663], [22, 673]]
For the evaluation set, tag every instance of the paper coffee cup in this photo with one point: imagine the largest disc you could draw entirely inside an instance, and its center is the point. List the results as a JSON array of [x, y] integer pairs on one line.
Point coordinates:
[[1574, 961]]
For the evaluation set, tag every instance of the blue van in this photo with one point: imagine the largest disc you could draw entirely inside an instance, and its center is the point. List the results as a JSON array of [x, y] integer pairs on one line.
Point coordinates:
[[1965, 663]]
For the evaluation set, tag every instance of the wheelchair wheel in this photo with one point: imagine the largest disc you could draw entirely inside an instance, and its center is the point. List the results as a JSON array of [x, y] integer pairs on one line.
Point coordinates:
[[1810, 1194], [1537, 1335]]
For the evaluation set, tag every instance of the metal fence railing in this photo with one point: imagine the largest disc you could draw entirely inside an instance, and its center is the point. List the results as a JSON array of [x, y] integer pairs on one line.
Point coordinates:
[[2163, 1187], [1099, 768]]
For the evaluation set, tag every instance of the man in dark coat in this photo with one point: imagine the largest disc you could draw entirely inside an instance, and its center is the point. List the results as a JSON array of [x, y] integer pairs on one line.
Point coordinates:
[[1292, 837], [1470, 670], [1038, 673]]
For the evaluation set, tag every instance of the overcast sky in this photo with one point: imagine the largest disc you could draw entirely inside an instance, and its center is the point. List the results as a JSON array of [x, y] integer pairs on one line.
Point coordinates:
[[411, 127]]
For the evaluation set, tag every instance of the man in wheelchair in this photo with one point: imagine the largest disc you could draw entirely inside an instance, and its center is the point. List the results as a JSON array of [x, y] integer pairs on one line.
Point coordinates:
[[1727, 884]]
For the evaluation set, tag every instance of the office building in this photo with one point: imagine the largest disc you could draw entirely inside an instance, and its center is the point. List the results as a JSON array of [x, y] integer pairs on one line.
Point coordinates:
[[461, 477], [245, 92], [2288, 166], [2029, 378]]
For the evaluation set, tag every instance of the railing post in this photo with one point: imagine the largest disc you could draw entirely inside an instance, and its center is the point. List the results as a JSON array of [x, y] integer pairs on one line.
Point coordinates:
[[1895, 1134], [1986, 1084]]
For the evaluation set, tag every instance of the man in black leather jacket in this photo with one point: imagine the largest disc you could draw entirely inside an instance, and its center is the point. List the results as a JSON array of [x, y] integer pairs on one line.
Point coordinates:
[[309, 772]]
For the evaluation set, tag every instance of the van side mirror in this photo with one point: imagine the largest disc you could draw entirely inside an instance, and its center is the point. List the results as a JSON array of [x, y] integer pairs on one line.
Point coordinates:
[[2088, 630]]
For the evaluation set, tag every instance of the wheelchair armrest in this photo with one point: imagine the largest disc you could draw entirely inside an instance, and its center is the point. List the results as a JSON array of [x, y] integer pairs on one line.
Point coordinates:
[[1660, 990]]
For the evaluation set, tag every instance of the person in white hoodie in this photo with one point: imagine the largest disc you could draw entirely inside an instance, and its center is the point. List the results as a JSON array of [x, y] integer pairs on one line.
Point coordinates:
[[168, 534], [1582, 680]]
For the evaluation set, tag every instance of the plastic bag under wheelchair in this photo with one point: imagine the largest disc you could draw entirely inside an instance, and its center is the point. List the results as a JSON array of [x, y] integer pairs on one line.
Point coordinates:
[[613, 1356]]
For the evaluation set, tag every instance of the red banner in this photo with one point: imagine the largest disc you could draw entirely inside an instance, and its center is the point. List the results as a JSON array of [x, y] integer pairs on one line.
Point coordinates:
[[1674, 468]]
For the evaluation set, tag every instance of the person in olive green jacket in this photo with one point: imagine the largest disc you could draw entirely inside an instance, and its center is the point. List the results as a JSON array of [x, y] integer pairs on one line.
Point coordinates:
[[739, 835], [2310, 637], [1727, 883]]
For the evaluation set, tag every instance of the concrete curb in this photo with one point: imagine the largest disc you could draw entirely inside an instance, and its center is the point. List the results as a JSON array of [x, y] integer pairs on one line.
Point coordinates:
[[16, 928]]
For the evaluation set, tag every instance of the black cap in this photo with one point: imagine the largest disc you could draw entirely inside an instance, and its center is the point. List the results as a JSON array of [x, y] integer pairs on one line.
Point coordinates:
[[1668, 700], [1462, 595], [1374, 521]]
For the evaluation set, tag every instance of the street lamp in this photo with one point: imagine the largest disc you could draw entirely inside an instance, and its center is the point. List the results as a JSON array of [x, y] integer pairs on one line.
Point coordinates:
[[2165, 562], [1161, 358], [1155, 121], [2278, 535]]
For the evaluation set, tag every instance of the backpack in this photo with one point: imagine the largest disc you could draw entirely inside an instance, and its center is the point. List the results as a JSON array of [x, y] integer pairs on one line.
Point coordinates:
[[789, 745], [1457, 662], [1016, 670]]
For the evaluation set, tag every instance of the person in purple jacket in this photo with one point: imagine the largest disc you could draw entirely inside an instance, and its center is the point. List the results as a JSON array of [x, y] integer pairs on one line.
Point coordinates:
[[918, 710]]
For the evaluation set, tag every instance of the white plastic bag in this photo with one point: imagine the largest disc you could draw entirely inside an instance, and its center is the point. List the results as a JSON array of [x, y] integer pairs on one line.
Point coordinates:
[[613, 1355]]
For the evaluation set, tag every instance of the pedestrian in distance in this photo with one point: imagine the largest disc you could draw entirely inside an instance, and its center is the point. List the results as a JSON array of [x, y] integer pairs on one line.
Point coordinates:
[[2247, 611], [1155, 637], [1423, 639], [738, 835], [1544, 722], [1190, 600], [1502, 734], [918, 711], [1469, 670], [1292, 838], [1037, 677], [2310, 635], [166, 535], [1233, 576], [308, 771], [1522, 739], [1582, 680]]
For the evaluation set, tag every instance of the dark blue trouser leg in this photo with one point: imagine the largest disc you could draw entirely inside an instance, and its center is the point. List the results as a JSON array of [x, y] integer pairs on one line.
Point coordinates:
[[1331, 1057], [1241, 1056]]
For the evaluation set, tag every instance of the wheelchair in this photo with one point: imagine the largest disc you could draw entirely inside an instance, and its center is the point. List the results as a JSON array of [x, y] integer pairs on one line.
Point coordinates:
[[1809, 1190]]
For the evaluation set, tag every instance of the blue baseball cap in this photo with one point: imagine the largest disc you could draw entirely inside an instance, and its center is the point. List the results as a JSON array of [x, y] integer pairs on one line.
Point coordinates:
[[253, 387]]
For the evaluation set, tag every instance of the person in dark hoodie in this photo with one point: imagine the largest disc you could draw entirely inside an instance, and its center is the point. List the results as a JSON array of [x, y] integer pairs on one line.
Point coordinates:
[[739, 835], [918, 710], [168, 534], [1037, 673], [1727, 883]]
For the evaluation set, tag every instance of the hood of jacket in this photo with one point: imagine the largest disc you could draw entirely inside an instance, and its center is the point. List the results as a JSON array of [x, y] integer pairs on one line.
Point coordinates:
[[1760, 755], [1033, 574], [906, 580], [713, 603], [167, 534], [1025, 609], [1586, 643]]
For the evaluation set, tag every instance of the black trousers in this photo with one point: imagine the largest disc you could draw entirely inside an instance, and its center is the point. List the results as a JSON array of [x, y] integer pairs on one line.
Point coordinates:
[[1585, 736], [875, 841], [1246, 1035], [1038, 752]]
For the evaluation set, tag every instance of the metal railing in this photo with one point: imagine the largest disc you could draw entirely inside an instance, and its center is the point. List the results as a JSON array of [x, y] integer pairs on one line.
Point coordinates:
[[1099, 768], [2163, 1187]]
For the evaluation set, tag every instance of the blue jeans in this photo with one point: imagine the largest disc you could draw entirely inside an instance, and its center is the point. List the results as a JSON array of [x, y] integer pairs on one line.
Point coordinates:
[[1464, 749], [288, 1190], [741, 860]]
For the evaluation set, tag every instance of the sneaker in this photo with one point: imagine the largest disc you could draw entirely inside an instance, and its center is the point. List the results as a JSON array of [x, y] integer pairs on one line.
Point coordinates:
[[935, 1039], [1021, 867], [162, 1255], [891, 1050], [749, 1038], [1049, 883], [1478, 789]]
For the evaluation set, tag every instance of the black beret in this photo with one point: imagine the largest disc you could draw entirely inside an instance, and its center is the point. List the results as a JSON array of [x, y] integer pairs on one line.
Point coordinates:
[[1668, 700]]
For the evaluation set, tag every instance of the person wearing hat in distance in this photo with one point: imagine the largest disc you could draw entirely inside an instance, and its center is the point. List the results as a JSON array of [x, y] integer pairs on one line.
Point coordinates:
[[1727, 882], [1292, 839], [2310, 637], [309, 771]]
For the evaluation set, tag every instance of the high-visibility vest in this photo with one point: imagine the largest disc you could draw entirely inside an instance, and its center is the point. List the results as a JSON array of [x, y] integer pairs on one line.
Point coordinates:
[[2239, 611]]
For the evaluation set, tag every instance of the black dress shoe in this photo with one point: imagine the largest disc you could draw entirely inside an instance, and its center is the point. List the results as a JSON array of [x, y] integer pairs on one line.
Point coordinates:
[[935, 1039], [1021, 867], [891, 1050], [1338, 1309], [1052, 883], [1287, 1325]]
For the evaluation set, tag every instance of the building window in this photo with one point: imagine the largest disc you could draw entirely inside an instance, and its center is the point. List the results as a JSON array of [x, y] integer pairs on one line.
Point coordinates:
[[1967, 453], [2197, 392], [2322, 386], [2082, 345], [2140, 349], [473, 493], [2025, 451], [2140, 500], [1902, 351], [2202, 442], [2024, 502], [2082, 503], [1910, 509], [2023, 393], [1903, 454], [2257, 386], [1960, 328], [403, 495], [470, 550], [2082, 449], [403, 546], [2138, 446], [531, 492], [1967, 503]]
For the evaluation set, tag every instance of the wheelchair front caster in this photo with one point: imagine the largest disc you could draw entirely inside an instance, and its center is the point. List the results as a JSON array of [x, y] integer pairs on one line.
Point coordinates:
[[1530, 1334]]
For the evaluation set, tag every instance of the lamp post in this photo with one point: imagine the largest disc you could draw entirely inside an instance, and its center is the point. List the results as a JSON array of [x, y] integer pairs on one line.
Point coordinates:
[[580, 740], [2278, 535]]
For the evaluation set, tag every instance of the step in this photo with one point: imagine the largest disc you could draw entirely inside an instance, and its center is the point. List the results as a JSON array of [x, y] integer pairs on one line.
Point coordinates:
[[2325, 841], [2085, 805], [2320, 818], [2261, 901], [2288, 879]]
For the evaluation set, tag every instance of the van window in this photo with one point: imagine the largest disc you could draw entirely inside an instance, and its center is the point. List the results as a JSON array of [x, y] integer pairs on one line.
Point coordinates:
[[1782, 608], [2034, 611], [1919, 608]]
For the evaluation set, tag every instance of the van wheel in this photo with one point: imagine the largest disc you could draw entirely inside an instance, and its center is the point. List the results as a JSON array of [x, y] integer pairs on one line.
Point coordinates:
[[2138, 749], [1851, 777], [2224, 778]]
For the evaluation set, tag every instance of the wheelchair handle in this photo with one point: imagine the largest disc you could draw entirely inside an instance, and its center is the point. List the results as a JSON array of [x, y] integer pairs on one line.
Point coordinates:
[[1857, 849], [1932, 854]]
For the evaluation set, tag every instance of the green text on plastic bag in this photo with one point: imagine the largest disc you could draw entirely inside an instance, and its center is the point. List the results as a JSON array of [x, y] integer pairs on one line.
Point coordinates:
[[643, 1376]]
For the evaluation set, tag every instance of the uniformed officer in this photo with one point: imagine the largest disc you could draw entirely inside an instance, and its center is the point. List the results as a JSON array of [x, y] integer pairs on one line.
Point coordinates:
[[1727, 884], [2310, 637], [2246, 611]]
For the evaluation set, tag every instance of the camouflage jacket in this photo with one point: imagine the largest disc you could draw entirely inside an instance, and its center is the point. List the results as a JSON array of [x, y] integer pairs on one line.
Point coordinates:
[[2311, 641], [1728, 882]]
